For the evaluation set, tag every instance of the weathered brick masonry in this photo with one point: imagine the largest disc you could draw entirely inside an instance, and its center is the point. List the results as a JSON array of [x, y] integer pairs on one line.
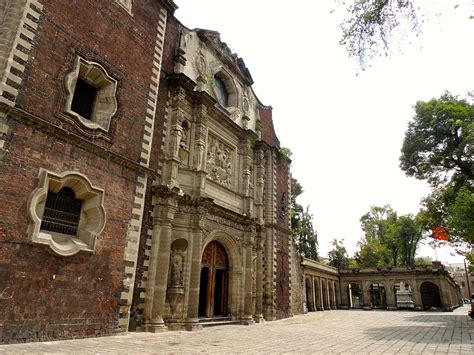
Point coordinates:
[[45, 296]]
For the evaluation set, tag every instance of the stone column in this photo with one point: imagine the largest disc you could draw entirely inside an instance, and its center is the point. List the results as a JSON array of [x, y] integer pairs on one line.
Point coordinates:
[[259, 282], [159, 264], [321, 296], [391, 300], [247, 318], [192, 321], [328, 296], [313, 289], [416, 295], [366, 296], [334, 306]]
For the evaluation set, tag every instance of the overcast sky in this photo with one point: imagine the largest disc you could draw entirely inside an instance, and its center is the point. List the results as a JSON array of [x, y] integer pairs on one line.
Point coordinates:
[[345, 127]]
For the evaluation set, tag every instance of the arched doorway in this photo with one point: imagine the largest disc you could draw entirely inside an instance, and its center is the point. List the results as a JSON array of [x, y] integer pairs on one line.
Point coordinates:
[[377, 295], [430, 296], [355, 295], [214, 283]]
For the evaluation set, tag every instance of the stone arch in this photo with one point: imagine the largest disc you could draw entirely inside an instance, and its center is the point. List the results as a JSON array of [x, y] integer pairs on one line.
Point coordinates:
[[377, 292], [236, 281], [230, 245], [430, 295]]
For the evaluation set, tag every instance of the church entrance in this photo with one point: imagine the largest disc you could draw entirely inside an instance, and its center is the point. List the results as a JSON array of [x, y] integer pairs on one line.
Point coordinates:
[[214, 282]]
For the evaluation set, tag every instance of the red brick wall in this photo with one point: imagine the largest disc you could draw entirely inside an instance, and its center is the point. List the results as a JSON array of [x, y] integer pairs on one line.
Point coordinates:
[[45, 296], [100, 31], [282, 241], [268, 132]]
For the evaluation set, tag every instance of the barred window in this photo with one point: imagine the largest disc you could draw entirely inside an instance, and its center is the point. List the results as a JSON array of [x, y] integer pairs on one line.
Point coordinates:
[[62, 212]]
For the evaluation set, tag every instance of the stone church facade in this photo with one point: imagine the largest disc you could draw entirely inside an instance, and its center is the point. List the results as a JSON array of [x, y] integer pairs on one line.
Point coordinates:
[[141, 180]]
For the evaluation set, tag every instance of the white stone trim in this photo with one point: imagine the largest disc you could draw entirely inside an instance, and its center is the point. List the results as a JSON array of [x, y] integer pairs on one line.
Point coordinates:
[[134, 232], [152, 98], [125, 4], [93, 214], [105, 103], [18, 23]]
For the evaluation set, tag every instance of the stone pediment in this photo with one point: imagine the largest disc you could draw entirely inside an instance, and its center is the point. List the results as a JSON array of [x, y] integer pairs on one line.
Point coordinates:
[[213, 39]]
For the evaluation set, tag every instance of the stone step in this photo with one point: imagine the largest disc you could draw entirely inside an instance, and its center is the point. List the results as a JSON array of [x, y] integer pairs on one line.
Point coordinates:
[[215, 321]]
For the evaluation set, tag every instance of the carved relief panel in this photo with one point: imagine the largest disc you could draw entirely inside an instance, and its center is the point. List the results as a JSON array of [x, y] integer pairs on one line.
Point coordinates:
[[220, 161]]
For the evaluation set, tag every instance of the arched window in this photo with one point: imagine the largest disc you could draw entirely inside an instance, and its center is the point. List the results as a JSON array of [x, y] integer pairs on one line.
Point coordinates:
[[62, 212], [222, 93]]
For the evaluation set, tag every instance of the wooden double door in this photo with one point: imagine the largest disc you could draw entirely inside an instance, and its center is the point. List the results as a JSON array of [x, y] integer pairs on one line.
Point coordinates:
[[214, 284]]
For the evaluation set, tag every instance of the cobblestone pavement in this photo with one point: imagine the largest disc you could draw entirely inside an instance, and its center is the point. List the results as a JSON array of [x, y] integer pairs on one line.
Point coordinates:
[[330, 332]]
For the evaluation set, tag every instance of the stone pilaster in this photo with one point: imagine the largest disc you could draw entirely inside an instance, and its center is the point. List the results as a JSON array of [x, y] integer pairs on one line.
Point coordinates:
[[192, 322], [164, 212], [258, 317], [391, 299], [247, 318]]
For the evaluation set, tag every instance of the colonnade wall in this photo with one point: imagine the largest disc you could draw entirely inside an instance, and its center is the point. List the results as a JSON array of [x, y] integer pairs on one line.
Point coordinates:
[[321, 284], [422, 283]]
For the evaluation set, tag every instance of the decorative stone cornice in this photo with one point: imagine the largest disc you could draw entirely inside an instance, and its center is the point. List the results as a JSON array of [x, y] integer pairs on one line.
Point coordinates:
[[213, 40]]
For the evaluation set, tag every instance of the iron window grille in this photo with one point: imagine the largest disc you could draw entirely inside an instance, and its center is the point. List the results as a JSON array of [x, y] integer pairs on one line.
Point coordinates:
[[62, 212], [84, 98]]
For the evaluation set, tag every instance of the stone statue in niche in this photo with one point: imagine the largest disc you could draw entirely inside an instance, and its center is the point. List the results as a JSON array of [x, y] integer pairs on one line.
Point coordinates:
[[183, 152], [176, 272], [219, 162]]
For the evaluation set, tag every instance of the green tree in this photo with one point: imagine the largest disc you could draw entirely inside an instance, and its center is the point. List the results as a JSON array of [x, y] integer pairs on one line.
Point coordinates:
[[372, 253], [439, 142], [390, 240], [376, 224], [338, 255], [439, 147], [367, 30], [423, 261], [302, 224], [307, 238], [406, 234]]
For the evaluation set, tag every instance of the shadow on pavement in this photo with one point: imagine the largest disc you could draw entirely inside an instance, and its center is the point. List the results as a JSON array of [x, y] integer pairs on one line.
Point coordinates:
[[436, 317], [429, 332]]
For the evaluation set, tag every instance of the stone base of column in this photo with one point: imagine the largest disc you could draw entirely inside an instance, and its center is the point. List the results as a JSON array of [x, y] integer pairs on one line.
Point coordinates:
[[448, 309], [259, 319], [247, 320], [154, 327], [391, 308], [320, 308], [192, 325], [418, 308]]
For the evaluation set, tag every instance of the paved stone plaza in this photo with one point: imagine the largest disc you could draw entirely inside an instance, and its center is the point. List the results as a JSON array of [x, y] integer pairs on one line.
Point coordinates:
[[338, 331]]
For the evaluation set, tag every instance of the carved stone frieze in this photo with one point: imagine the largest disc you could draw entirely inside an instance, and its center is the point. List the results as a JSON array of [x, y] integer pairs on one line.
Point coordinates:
[[220, 161]]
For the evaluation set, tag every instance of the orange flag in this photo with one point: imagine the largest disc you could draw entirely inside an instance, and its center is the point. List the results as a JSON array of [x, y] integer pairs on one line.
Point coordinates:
[[440, 233]]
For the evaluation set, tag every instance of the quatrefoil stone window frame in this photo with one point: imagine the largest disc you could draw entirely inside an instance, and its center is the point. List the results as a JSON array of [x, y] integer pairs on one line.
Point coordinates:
[[105, 105], [92, 220]]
